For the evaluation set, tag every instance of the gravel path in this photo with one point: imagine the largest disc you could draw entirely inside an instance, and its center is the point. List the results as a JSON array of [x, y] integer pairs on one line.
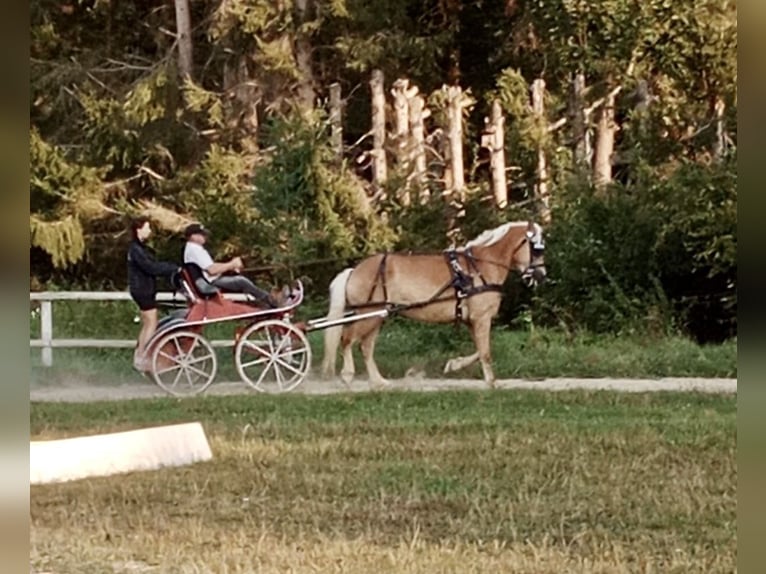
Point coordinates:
[[73, 392]]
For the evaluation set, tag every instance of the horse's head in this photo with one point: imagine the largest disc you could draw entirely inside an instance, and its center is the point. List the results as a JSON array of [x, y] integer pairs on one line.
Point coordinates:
[[531, 261]]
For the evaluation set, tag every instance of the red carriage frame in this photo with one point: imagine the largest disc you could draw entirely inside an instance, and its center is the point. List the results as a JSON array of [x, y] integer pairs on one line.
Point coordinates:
[[270, 353]]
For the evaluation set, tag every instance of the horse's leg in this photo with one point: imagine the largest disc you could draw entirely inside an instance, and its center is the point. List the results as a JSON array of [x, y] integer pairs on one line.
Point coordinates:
[[460, 362], [480, 330], [347, 345], [368, 351]]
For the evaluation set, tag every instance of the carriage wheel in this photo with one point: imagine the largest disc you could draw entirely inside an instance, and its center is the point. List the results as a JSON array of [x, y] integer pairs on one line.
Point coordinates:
[[273, 356], [184, 363]]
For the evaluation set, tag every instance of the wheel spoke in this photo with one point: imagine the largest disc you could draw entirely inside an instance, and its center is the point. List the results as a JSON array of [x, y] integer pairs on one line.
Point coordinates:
[[200, 372], [257, 347], [263, 373], [178, 376], [171, 368], [173, 358], [196, 360], [278, 373], [258, 361], [188, 378], [287, 365], [190, 353], [178, 347]]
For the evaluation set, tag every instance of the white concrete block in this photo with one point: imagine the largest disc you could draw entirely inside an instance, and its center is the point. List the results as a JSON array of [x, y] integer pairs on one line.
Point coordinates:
[[108, 454]]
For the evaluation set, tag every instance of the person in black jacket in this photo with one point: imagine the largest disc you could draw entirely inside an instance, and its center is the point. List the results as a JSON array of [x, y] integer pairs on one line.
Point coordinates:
[[143, 270]]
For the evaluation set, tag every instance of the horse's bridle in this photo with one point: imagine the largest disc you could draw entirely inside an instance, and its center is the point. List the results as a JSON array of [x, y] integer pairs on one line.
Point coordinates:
[[536, 249]]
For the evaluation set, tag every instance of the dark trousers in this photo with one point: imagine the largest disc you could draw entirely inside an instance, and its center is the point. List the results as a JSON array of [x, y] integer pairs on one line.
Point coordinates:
[[241, 284]]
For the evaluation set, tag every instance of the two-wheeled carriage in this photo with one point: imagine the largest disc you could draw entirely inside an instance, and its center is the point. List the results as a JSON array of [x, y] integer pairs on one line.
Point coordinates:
[[270, 353]]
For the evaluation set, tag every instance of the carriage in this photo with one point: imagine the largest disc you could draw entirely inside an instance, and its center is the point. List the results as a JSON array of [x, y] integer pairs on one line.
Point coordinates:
[[270, 353]]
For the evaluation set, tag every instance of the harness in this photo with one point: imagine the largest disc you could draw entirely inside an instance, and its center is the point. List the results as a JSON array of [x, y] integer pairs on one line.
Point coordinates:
[[460, 280]]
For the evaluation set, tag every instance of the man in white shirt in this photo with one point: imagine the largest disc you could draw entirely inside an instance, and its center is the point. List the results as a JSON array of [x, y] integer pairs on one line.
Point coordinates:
[[195, 252]]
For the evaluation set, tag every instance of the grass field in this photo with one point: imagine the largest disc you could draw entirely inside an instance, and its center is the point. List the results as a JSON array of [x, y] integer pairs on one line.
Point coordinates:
[[522, 482]]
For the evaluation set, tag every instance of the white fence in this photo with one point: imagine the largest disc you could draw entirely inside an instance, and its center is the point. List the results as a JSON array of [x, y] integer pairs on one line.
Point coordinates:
[[47, 342]]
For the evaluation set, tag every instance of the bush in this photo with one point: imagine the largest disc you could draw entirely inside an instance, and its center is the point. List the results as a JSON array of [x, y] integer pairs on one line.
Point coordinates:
[[647, 258]]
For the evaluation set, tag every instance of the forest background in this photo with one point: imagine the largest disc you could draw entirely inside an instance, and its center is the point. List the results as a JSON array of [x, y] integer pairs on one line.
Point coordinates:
[[619, 135]]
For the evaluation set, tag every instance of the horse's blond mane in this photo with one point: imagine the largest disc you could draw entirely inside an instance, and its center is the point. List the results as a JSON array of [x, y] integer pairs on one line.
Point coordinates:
[[492, 236]]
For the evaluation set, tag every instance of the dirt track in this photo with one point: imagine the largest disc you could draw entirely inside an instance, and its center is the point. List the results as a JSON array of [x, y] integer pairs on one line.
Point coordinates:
[[147, 389]]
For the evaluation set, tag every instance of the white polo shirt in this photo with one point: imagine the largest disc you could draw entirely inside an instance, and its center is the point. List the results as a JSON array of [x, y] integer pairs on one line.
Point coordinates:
[[195, 253]]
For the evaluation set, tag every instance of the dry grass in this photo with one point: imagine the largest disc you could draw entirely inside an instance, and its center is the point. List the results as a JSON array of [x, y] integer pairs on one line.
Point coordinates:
[[452, 482]]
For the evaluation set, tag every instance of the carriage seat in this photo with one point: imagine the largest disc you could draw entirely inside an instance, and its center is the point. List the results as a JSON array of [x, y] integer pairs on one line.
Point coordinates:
[[199, 284]]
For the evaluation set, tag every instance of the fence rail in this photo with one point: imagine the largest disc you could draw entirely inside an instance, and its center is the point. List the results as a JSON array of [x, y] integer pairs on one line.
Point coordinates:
[[47, 342]]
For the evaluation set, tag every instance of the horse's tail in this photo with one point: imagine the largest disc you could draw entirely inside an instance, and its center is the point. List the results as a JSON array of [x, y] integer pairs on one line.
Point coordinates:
[[332, 334]]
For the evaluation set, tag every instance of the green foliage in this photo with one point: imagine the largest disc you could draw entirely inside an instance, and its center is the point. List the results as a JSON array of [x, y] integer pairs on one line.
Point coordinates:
[[113, 129], [600, 262], [63, 194], [648, 257], [311, 207], [697, 245]]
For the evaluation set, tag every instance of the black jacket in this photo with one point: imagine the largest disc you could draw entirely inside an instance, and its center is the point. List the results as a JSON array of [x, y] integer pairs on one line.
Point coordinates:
[[143, 268]]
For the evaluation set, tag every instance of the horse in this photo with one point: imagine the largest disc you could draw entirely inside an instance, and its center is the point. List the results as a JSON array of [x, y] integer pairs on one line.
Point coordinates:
[[462, 285]]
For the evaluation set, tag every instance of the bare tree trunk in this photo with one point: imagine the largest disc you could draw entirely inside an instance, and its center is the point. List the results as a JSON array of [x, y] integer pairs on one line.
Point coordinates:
[[306, 92], [183, 33], [401, 110], [719, 144], [336, 121], [606, 129], [455, 108], [418, 149], [493, 139], [497, 156], [379, 166], [538, 108], [243, 95], [401, 133], [580, 132]]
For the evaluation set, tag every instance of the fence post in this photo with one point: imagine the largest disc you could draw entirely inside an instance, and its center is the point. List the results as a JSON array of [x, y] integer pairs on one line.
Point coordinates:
[[46, 331]]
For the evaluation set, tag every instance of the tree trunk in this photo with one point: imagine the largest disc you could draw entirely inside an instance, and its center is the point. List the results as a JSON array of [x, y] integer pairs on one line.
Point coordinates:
[[493, 139], [336, 121], [606, 128], [541, 188], [580, 133], [401, 134], [306, 92], [418, 149], [243, 95], [379, 167], [184, 39], [455, 98], [401, 111], [719, 144]]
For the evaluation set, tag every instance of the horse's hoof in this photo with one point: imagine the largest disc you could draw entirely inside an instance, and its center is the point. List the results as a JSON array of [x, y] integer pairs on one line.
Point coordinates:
[[415, 373], [381, 385], [347, 378], [448, 368], [327, 375]]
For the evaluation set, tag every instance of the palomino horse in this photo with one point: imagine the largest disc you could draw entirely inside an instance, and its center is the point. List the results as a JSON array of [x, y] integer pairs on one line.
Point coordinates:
[[463, 284]]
